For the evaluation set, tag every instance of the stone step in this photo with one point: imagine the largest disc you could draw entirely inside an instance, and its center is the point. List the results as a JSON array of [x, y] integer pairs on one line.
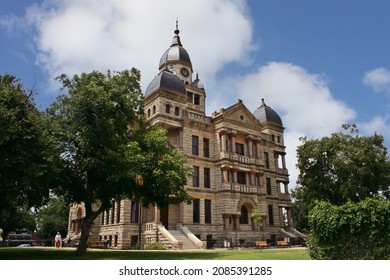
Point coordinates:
[[187, 244]]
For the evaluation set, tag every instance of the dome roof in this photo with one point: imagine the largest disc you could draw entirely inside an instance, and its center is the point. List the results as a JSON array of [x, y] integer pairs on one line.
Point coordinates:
[[266, 114], [176, 53], [166, 80], [197, 83]]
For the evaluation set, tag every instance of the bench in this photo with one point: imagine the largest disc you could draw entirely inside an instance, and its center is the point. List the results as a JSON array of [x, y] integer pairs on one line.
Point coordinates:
[[262, 244], [282, 243], [96, 244]]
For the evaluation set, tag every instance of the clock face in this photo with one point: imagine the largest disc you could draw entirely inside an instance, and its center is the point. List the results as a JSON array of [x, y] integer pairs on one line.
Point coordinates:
[[184, 72]]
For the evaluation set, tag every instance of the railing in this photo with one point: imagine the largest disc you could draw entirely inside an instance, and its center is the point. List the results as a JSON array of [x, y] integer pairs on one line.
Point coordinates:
[[284, 196], [283, 171], [200, 244], [239, 188]]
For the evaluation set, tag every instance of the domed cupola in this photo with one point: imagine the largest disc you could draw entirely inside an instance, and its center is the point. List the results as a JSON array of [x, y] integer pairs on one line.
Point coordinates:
[[266, 114], [176, 54], [198, 83], [166, 80]]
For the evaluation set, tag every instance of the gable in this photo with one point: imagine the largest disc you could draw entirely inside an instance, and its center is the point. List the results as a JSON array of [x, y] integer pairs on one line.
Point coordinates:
[[237, 114]]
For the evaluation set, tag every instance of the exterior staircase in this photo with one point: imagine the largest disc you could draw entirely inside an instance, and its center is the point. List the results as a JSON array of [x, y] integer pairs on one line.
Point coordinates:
[[183, 239]]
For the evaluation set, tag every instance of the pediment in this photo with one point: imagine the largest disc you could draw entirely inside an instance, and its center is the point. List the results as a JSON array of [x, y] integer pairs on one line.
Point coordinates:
[[238, 114]]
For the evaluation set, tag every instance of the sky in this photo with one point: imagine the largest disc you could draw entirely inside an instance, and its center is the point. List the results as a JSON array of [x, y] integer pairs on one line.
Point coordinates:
[[319, 64]]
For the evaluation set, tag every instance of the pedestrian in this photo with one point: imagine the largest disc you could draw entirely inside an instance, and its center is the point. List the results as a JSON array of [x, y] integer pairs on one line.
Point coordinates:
[[58, 240]]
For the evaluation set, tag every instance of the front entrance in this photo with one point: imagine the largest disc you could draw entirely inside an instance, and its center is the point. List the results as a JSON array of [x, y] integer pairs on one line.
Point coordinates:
[[164, 213]]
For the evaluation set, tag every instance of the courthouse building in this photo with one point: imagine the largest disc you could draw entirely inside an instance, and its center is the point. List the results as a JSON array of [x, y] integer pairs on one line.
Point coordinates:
[[238, 161]]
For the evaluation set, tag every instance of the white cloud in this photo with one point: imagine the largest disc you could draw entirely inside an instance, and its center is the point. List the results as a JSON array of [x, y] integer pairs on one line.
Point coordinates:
[[77, 36], [378, 79]]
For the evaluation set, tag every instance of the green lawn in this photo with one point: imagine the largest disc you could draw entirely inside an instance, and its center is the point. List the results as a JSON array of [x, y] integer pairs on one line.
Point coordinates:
[[96, 254]]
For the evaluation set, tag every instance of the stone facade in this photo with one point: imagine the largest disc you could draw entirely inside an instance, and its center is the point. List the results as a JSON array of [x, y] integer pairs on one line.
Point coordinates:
[[238, 159]]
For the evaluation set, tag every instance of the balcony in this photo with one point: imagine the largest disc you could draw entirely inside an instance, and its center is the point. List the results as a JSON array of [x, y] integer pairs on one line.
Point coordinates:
[[282, 171], [284, 196], [238, 188]]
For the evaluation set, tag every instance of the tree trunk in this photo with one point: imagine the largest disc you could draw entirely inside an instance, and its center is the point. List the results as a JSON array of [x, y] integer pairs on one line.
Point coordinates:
[[88, 220]]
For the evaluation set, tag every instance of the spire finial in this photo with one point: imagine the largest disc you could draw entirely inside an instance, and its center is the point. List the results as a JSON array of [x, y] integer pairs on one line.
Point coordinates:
[[177, 26]]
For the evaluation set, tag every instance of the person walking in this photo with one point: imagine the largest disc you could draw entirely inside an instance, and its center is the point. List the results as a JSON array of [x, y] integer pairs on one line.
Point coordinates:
[[58, 240]]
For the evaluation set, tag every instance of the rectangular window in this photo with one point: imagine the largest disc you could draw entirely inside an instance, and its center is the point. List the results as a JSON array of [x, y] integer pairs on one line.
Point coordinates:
[[112, 213], [196, 99], [107, 216], [240, 149], [196, 211], [271, 215], [206, 147], [207, 211], [241, 178], [103, 218], [266, 160], [118, 211], [195, 145], [206, 177], [195, 177], [269, 188], [134, 212]]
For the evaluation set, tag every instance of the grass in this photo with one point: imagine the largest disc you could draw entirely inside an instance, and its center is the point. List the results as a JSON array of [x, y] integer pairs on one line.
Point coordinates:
[[49, 253]]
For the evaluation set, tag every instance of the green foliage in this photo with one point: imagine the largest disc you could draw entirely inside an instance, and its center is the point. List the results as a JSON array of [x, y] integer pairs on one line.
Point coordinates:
[[340, 168], [53, 218], [27, 157], [162, 169], [350, 231], [154, 246], [257, 217]]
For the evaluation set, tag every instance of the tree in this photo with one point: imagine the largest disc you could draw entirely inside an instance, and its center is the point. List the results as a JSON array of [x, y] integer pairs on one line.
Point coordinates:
[[351, 231], [53, 218], [340, 168], [159, 167], [97, 125], [27, 158]]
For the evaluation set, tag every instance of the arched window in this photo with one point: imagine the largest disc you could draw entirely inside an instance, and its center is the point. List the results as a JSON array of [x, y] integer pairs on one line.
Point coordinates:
[[167, 108], [177, 111], [244, 219], [148, 113], [154, 109]]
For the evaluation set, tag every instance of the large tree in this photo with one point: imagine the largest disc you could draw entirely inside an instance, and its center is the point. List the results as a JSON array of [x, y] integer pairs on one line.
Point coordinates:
[[27, 158], [340, 168], [95, 124]]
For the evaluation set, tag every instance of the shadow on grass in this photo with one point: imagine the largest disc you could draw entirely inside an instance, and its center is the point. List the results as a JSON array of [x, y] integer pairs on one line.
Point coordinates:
[[97, 254]]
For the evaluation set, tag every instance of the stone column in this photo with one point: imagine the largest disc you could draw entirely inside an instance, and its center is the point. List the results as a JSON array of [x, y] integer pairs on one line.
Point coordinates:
[[258, 152], [285, 187], [284, 161], [181, 213], [250, 147], [235, 176], [157, 215], [223, 142], [225, 175], [233, 138]]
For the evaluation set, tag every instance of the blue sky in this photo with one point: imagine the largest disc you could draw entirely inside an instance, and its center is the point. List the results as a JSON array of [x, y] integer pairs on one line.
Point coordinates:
[[319, 64]]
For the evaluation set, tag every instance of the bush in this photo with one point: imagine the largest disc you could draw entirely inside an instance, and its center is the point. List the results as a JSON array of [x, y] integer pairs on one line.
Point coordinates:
[[154, 246], [353, 231]]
